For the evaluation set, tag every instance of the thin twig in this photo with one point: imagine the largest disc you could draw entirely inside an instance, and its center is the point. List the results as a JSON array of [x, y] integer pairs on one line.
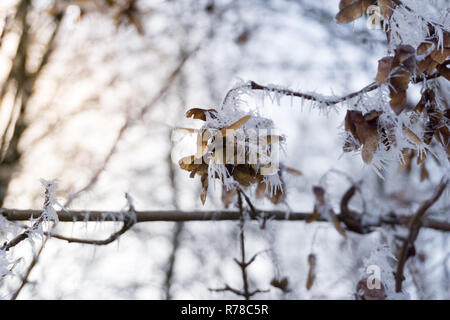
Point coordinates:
[[127, 224], [30, 268], [415, 224], [242, 264]]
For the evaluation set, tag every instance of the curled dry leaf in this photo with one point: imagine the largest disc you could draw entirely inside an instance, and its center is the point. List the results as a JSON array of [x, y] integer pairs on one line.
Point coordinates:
[[384, 68], [434, 56], [398, 100], [281, 283], [277, 197], [235, 126], [364, 129], [403, 65], [439, 55], [386, 8], [200, 114], [293, 171], [352, 10], [402, 54]]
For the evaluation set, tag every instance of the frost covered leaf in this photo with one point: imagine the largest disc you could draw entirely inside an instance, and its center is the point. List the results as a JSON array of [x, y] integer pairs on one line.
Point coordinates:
[[364, 129], [412, 136], [386, 7], [434, 116], [427, 65], [434, 55], [351, 11], [439, 55], [384, 68], [398, 100], [235, 147], [424, 47], [403, 53], [400, 81], [245, 175], [403, 65], [369, 148]]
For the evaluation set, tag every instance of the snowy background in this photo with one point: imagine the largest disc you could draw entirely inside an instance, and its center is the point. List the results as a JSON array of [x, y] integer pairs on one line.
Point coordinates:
[[100, 74]]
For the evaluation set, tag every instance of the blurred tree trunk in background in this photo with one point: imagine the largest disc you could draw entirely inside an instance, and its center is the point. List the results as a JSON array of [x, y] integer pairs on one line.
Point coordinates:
[[20, 82]]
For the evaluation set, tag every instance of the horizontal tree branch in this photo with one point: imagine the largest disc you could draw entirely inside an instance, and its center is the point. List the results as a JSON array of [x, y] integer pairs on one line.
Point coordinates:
[[220, 215]]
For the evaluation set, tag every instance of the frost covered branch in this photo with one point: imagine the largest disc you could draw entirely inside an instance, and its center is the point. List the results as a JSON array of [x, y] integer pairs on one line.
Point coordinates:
[[328, 101], [47, 214], [127, 224]]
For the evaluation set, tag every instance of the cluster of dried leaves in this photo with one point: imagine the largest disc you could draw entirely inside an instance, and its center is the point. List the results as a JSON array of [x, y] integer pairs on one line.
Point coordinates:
[[407, 65], [213, 152]]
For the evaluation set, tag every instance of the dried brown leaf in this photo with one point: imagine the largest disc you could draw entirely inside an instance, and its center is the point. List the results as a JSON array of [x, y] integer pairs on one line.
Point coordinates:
[[384, 68], [200, 114], [351, 12], [386, 7], [398, 101], [444, 71], [311, 271], [440, 55], [233, 127], [412, 136], [293, 171]]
